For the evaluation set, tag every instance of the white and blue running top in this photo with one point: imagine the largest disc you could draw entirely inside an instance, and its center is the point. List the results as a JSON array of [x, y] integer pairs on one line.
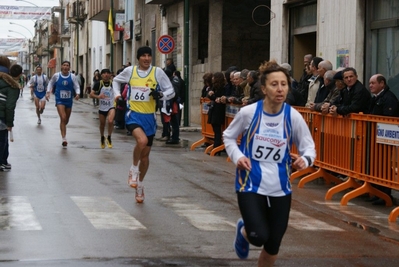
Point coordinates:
[[267, 140]]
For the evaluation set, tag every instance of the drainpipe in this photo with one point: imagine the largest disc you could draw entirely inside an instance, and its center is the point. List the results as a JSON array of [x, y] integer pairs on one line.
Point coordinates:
[[186, 61], [77, 35], [112, 44]]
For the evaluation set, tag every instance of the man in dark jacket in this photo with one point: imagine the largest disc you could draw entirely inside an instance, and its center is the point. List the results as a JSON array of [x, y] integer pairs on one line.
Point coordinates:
[[9, 91], [255, 91], [354, 98], [383, 103]]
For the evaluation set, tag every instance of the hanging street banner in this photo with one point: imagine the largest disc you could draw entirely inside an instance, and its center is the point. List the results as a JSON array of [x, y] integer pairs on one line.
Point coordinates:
[[25, 12], [11, 41]]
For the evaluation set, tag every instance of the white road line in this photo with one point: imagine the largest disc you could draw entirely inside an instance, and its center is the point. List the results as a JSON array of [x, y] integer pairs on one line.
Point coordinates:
[[199, 217], [104, 213], [16, 213], [300, 221], [358, 211]]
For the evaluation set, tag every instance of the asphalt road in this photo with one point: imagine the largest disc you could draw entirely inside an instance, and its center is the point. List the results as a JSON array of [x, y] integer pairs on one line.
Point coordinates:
[[73, 207]]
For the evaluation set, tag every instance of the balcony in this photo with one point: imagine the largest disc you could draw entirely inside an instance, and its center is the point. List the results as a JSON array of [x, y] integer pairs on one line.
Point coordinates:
[[54, 39], [159, 2], [99, 9], [65, 32]]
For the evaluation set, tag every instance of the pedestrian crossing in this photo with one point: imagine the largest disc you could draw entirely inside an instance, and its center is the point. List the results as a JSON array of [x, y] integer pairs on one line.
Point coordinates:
[[17, 213], [104, 213]]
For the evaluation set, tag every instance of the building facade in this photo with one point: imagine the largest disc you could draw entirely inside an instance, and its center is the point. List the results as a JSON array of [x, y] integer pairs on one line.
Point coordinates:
[[212, 35]]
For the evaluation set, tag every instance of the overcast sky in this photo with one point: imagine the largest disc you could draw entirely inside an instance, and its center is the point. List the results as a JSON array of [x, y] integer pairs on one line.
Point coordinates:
[[29, 24]]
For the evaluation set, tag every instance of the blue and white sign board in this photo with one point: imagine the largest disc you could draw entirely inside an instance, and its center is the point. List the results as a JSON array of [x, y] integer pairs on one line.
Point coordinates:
[[387, 134]]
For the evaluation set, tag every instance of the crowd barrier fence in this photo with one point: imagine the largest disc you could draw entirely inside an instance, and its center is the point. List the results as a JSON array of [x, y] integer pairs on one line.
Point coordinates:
[[363, 147]]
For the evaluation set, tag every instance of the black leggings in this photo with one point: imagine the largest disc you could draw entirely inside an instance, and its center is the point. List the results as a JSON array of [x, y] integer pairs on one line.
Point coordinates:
[[265, 219]]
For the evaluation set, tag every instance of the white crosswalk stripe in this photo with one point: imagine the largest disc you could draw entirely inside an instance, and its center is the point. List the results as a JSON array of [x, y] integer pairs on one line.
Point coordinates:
[[16, 213], [199, 217], [104, 213], [300, 221]]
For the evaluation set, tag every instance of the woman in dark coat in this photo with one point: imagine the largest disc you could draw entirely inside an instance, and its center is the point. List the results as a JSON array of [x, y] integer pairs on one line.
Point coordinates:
[[217, 110]]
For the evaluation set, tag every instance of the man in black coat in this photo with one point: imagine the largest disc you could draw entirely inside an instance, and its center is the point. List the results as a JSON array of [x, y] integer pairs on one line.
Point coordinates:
[[354, 98], [383, 103]]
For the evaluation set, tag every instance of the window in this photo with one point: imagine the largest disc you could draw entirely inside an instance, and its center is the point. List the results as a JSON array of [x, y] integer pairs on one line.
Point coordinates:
[[203, 32], [304, 16], [384, 41]]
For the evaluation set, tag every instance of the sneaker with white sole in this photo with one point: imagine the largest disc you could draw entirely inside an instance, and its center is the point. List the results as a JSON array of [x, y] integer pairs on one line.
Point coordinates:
[[39, 121], [140, 194], [5, 167], [133, 178], [64, 143], [241, 245]]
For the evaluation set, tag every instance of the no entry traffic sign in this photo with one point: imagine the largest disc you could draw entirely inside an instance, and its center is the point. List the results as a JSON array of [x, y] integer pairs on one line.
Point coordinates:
[[166, 44]]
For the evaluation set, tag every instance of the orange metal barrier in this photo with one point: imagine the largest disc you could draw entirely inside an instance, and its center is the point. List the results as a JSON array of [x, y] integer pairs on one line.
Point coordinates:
[[349, 146], [207, 131]]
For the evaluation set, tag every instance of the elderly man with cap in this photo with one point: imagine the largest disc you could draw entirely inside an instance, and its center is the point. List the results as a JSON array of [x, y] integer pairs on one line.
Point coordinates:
[[103, 91], [147, 85], [66, 89], [334, 95]]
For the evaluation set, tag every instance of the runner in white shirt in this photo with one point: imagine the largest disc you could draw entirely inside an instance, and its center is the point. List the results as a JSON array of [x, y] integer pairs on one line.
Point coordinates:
[[103, 91], [269, 127], [38, 84]]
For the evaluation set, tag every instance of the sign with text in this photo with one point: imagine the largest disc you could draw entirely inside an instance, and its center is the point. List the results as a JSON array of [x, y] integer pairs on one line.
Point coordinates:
[[387, 134], [25, 12]]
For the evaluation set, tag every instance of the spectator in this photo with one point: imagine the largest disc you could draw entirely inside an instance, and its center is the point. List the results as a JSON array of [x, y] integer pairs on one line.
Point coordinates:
[[207, 78], [170, 65], [334, 96], [9, 87], [238, 89], [354, 98], [314, 81], [244, 84], [255, 91], [174, 110], [182, 93], [229, 75], [81, 81], [96, 79], [217, 109], [303, 84], [294, 98], [328, 85], [383, 103], [322, 92]]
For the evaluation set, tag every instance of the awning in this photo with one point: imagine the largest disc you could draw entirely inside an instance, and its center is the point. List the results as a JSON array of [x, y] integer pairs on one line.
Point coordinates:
[[51, 63]]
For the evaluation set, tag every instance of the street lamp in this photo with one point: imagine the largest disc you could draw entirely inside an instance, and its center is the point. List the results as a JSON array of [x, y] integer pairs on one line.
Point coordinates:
[[27, 2], [19, 33], [13, 23]]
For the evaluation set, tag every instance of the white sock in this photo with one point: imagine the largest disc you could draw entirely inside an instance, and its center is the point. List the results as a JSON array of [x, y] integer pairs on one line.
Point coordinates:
[[134, 168]]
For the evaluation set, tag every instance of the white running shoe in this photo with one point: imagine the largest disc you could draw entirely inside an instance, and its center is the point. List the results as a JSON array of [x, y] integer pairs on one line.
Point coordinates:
[[133, 178], [140, 194], [39, 121]]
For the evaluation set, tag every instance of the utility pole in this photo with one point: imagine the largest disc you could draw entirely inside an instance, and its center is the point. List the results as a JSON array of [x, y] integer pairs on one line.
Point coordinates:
[[186, 61], [112, 44]]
